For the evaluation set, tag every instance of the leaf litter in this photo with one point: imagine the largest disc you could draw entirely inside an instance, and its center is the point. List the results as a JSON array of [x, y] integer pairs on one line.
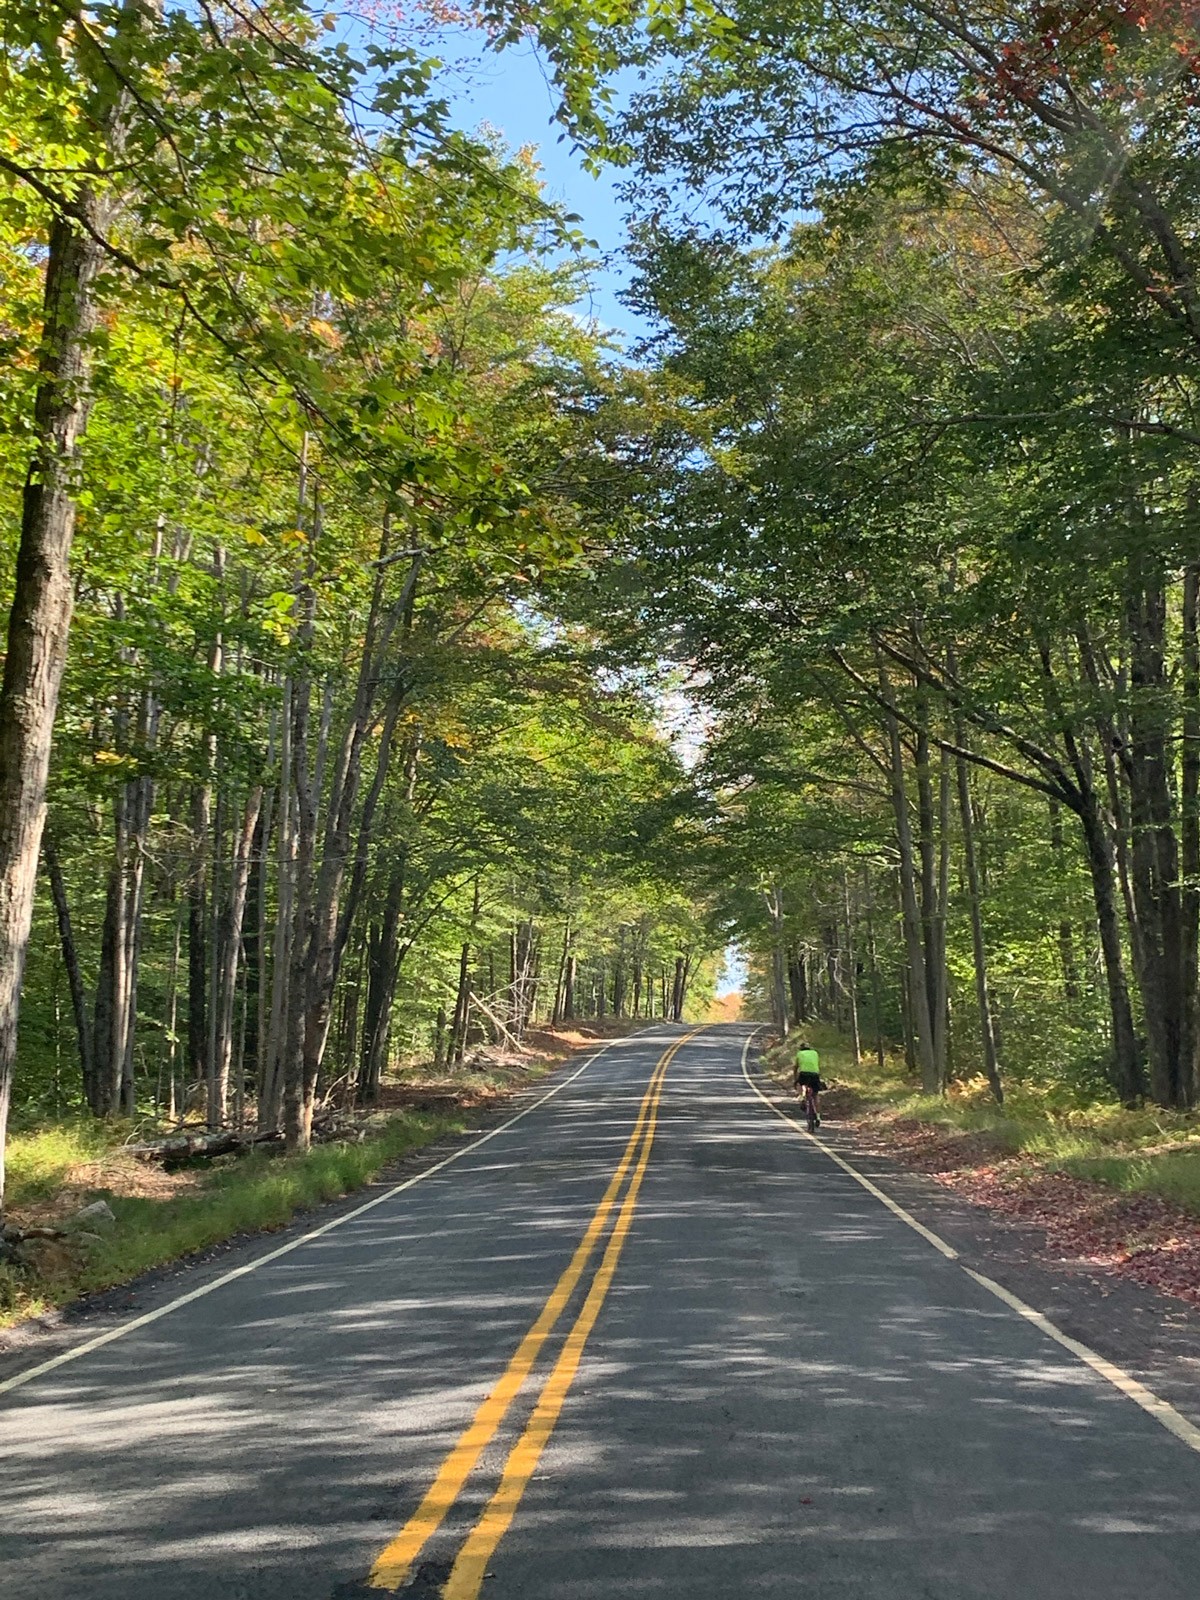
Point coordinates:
[[1137, 1236]]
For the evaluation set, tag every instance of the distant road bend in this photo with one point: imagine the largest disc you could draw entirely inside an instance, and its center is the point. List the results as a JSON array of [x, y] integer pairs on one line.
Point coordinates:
[[646, 1339]]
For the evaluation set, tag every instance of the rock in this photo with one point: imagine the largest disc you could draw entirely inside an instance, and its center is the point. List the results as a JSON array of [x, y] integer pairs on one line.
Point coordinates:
[[98, 1215], [47, 1258], [88, 1239]]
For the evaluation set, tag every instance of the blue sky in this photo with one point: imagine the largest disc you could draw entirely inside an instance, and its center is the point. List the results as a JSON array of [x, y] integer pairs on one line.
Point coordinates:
[[511, 92]]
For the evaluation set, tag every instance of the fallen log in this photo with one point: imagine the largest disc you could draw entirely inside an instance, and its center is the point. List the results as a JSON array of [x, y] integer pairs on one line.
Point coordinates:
[[187, 1146], [183, 1146]]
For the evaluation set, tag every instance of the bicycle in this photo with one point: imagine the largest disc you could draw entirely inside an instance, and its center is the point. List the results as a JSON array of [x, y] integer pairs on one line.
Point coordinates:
[[812, 1115]]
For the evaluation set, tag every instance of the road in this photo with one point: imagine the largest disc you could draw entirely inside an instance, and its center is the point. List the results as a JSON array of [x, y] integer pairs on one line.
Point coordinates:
[[648, 1340]]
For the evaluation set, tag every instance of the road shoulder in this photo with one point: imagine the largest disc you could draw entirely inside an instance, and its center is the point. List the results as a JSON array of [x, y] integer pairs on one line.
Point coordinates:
[[1153, 1336]]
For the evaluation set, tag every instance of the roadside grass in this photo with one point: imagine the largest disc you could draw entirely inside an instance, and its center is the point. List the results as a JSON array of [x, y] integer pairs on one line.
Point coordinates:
[[1147, 1150], [234, 1195], [54, 1169], [37, 1162]]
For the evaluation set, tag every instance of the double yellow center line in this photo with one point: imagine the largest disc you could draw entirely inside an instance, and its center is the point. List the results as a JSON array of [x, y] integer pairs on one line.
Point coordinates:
[[395, 1563]]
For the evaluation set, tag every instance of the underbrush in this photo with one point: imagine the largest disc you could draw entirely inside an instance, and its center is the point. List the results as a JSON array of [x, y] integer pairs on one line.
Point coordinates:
[[1146, 1150], [235, 1195]]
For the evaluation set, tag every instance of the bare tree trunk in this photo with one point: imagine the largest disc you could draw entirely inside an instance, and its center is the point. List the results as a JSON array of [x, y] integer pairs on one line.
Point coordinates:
[[1066, 935], [872, 958], [1103, 847], [523, 986], [987, 1033], [225, 992], [462, 1008], [299, 1072], [1189, 807], [1129, 1082], [462, 1003], [173, 1017], [70, 954], [618, 1003], [273, 1050], [1156, 866], [779, 1005], [918, 987], [382, 971], [111, 1019], [197, 1034], [557, 1013], [851, 969], [936, 955], [797, 964], [679, 987], [535, 975], [40, 616], [331, 920], [568, 1007]]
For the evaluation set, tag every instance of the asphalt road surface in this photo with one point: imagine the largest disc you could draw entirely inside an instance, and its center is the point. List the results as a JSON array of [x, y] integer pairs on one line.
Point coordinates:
[[648, 1340]]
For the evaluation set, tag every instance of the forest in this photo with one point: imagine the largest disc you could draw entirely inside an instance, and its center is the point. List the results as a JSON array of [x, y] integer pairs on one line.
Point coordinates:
[[354, 578]]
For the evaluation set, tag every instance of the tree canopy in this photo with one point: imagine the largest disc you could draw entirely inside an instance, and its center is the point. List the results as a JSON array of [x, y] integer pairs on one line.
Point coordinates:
[[353, 579]]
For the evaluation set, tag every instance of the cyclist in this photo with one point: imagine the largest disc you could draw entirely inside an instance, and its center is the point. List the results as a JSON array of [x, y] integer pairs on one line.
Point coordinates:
[[806, 1076]]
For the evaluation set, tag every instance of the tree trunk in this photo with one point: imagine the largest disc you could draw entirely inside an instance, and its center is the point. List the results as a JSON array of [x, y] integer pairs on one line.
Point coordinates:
[[1155, 852], [383, 966], [618, 1003], [1189, 794], [112, 985], [225, 994], [987, 1033], [462, 1007], [273, 1049], [779, 1005], [568, 1007], [918, 988], [677, 986], [557, 1013], [197, 1033], [70, 955], [1066, 935], [40, 615], [851, 970], [872, 958], [797, 984], [936, 953], [1127, 1067], [1102, 846], [462, 1003], [299, 1076]]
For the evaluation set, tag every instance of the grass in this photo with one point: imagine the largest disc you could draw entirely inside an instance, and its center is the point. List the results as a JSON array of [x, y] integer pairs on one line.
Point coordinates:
[[241, 1195], [1146, 1150], [37, 1162], [55, 1169]]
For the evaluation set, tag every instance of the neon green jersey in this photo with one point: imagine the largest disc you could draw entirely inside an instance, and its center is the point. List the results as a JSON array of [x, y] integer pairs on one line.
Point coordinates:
[[808, 1061]]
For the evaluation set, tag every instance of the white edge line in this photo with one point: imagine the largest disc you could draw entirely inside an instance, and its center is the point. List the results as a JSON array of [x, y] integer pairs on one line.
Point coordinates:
[[884, 1199], [21, 1378], [1161, 1410]]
